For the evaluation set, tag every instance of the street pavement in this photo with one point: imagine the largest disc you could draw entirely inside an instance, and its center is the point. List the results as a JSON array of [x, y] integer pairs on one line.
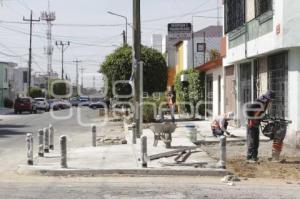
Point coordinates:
[[145, 188], [13, 130]]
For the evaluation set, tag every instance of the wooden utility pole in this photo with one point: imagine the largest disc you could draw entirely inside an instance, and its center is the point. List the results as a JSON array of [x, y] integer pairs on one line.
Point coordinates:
[[77, 73], [137, 67], [30, 49], [64, 46]]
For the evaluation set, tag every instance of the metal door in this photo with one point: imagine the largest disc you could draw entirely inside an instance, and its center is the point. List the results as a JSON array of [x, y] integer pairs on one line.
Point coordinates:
[[245, 88], [230, 94], [209, 95], [277, 82]]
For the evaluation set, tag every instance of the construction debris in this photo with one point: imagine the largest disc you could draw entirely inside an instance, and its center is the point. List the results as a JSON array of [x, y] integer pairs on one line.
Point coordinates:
[[170, 153]]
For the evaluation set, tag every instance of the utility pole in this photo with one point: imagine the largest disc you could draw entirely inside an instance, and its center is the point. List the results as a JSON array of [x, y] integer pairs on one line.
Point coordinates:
[[124, 37], [30, 49], [204, 50], [64, 46], [77, 73], [137, 66], [94, 81], [81, 69]]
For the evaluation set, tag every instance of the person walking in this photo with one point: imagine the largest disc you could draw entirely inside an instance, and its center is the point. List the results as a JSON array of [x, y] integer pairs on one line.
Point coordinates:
[[171, 103], [255, 113]]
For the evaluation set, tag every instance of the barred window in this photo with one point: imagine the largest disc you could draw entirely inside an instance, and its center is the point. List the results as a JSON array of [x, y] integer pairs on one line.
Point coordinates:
[[234, 14], [262, 6]]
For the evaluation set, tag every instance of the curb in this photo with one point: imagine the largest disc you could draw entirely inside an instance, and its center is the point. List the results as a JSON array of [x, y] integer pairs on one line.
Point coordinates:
[[39, 171]]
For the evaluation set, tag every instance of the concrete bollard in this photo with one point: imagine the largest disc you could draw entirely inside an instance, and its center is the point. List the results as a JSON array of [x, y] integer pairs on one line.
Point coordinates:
[[94, 135], [51, 132], [41, 143], [144, 157], [46, 141], [133, 133], [223, 152], [63, 151], [29, 143]]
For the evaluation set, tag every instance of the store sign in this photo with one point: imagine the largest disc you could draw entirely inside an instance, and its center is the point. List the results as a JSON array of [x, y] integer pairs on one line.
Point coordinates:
[[201, 47], [180, 31]]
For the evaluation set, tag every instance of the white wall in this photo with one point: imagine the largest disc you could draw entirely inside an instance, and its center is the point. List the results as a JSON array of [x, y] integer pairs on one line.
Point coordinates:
[[20, 87], [294, 96], [268, 42], [216, 72], [291, 23]]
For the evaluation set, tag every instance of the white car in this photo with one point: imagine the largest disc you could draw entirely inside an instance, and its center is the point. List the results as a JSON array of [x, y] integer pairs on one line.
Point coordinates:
[[42, 104]]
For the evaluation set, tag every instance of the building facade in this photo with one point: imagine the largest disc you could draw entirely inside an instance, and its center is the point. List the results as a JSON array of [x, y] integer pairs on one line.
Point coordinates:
[[6, 81], [263, 53]]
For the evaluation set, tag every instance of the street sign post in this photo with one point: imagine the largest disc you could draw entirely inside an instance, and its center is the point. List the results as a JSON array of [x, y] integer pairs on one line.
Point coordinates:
[[180, 31]]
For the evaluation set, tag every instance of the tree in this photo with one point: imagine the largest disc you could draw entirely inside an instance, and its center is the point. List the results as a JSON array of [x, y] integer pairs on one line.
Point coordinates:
[[58, 88], [192, 91], [118, 66], [36, 92]]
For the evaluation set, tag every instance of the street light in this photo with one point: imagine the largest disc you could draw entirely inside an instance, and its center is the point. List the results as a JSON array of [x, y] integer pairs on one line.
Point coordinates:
[[112, 13]]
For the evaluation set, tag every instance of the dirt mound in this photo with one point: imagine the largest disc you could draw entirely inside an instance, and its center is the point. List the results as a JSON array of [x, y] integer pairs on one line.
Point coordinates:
[[287, 169]]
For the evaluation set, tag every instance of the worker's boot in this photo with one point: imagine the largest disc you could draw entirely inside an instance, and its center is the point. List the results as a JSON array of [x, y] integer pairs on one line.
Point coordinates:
[[275, 156]]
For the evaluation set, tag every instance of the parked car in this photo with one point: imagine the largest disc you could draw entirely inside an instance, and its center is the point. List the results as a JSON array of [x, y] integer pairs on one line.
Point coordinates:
[[74, 101], [98, 104], [42, 104], [53, 104], [24, 104], [84, 103], [64, 104]]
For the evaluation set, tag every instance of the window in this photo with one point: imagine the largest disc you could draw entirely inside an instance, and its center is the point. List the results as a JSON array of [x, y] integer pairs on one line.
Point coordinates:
[[5, 75], [25, 76], [234, 14], [262, 6]]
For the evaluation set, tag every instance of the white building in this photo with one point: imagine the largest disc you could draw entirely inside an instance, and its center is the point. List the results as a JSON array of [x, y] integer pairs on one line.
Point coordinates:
[[196, 51], [157, 42], [263, 52], [21, 81]]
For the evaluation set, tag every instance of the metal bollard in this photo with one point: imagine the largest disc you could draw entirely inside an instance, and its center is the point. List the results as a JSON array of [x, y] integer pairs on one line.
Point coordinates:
[[41, 143], [223, 152], [94, 135], [133, 133], [51, 132], [46, 141], [144, 151], [63, 151], [29, 143]]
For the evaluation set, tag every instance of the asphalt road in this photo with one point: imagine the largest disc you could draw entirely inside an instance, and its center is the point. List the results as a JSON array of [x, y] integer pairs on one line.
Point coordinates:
[[75, 123], [146, 188]]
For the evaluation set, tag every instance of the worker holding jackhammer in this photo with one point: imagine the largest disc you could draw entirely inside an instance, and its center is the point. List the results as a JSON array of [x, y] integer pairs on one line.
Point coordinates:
[[255, 112]]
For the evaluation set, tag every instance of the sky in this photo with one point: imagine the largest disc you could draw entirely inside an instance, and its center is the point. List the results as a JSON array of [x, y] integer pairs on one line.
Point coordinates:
[[75, 22]]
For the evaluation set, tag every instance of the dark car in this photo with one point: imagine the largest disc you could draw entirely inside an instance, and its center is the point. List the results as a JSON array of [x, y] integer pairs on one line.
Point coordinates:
[[99, 104], [74, 102], [24, 104]]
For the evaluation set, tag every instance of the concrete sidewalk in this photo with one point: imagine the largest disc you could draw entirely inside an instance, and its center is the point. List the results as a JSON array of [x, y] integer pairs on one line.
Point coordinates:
[[204, 133], [125, 159]]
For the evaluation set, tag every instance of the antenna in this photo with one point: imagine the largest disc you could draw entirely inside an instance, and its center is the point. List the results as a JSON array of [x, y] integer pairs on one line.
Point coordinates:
[[49, 16]]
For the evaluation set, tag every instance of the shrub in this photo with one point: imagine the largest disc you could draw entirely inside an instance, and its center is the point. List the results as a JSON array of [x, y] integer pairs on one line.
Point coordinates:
[[191, 91]]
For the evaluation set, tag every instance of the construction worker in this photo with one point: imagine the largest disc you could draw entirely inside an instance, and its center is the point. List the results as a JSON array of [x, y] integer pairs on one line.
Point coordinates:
[[171, 102], [219, 124], [255, 113]]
